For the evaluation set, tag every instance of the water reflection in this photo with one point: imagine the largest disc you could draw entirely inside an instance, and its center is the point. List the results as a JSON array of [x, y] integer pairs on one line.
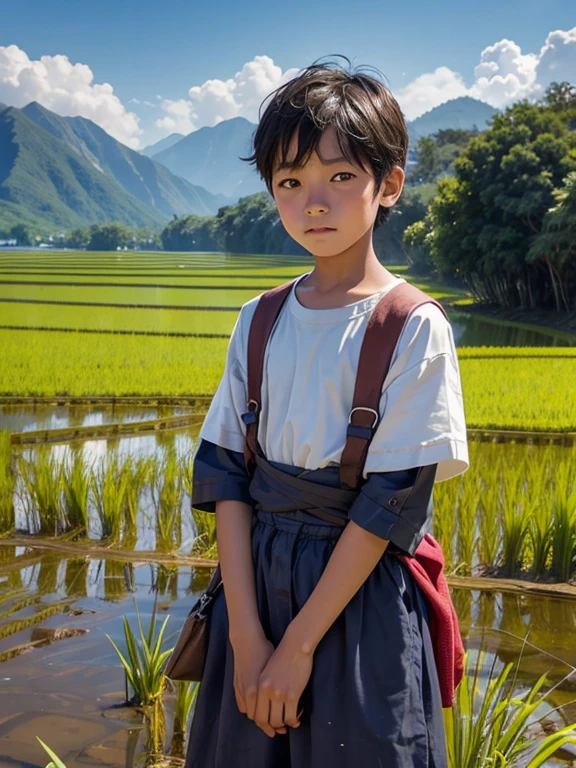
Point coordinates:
[[475, 331], [29, 418]]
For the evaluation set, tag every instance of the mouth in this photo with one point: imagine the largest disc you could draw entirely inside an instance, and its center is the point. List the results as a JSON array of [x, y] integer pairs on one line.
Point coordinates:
[[319, 230]]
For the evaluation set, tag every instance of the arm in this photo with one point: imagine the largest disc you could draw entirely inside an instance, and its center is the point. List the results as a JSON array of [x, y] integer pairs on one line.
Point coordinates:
[[252, 650], [233, 524]]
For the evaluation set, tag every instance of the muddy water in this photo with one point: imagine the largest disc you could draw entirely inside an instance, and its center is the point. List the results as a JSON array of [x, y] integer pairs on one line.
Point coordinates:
[[60, 678], [59, 675]]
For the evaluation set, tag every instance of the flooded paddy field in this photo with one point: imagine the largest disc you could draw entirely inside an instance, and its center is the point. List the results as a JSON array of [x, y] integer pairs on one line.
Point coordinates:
[[60, 678]]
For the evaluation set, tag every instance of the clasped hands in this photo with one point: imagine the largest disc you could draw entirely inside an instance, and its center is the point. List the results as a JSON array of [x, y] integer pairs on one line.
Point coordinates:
[[268, 682]]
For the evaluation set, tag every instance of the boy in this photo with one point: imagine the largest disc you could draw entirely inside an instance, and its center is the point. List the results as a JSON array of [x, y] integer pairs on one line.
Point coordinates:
[[320, 650]]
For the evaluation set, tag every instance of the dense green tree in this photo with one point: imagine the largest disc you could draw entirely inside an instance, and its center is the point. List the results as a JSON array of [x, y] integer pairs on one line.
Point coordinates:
[[556, 244], [109, 237], [22, 234], [78, 238], [436, 154], [485, 219]]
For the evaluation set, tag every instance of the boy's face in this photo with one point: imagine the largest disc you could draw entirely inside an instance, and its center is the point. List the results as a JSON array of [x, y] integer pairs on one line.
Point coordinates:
[[337, 195]]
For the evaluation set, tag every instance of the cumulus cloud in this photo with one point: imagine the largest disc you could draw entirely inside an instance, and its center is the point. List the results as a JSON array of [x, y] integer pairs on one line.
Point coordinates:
[[216, 100], [504, 74], [67, 89]]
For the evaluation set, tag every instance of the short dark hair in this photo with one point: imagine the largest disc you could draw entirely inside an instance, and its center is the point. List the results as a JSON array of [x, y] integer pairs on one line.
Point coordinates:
[[369, 123]]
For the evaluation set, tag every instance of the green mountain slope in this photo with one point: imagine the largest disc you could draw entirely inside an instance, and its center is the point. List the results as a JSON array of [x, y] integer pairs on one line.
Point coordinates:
[[463, 112], [43, 179], [149, 181]]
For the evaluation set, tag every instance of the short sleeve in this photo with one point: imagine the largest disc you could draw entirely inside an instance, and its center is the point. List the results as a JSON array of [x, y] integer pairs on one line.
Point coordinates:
[[422, 410], [218, 474], [223, 423]]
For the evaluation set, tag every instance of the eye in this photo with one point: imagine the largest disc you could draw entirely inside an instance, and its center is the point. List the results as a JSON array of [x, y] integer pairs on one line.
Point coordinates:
[[341, 173]]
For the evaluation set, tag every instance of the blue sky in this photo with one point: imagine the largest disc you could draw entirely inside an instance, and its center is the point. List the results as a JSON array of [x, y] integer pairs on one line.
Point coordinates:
[[156, 52]]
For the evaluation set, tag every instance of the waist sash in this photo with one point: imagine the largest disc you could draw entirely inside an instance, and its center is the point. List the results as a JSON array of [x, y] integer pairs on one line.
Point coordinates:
[[276, 491]]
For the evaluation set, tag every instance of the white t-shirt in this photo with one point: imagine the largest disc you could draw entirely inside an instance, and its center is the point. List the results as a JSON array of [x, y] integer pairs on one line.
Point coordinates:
[[308, 386]]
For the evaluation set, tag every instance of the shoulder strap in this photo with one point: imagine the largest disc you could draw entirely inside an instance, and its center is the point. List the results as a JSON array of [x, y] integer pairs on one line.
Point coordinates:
[[382, 333], [383, 330], [263, 319]]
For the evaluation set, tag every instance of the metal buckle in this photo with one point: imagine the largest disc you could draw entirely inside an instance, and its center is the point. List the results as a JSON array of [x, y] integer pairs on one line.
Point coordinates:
[[256, 403], [363, 408]]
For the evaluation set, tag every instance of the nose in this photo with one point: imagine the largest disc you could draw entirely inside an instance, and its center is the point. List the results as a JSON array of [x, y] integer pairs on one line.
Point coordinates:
[[314, 209]]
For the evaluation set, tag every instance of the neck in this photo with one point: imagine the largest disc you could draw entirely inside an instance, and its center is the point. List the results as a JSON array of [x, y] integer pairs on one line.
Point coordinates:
[[356, 269]]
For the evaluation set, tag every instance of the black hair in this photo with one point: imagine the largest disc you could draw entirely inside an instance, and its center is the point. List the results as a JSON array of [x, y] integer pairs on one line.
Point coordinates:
[[369, 123]]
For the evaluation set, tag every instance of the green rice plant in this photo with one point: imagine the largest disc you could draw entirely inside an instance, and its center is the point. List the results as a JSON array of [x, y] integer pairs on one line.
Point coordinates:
[[205, 543], [76, 480], [167, 489], [515, 519], [42, 479], [541, 515], [491, 727], [564, 537], [55, 761], [467, 525], [446, 504], [138, 472], [488, 522], [7, 484], [144, 661], [186, 693], [109, 483]]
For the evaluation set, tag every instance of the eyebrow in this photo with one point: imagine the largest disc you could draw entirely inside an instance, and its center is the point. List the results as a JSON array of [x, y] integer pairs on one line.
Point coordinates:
[[329, 161]]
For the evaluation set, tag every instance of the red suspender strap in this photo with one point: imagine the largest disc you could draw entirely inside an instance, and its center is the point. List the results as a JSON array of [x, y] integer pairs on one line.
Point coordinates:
[[263, 319], [382, 333], [380, 339]]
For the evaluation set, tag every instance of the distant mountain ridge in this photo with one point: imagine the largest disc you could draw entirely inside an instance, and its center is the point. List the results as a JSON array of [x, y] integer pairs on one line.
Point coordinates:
[[463, 112], [210, 157], [164, 143]]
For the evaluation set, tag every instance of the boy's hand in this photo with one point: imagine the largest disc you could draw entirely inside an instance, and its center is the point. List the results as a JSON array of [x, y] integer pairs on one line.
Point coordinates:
[[281, 685], [251, 654]]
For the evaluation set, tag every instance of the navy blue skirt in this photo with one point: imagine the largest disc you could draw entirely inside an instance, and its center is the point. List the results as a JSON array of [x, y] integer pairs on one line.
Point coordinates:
[[373, 699]]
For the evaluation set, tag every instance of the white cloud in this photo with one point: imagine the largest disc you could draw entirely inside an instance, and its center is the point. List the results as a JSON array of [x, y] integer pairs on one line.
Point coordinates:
[[66, 89], [504, 75], [216, 100]]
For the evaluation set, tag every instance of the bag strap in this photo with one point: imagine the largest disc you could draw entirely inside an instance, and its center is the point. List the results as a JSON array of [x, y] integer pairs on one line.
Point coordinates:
[[263, 319], [383, 330]]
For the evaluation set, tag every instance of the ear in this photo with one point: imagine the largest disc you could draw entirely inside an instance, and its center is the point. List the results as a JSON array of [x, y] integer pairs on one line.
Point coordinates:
[[391, 187]]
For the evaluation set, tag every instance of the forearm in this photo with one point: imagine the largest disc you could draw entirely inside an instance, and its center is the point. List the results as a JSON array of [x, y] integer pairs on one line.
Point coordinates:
[[354, 557], [233, 533]]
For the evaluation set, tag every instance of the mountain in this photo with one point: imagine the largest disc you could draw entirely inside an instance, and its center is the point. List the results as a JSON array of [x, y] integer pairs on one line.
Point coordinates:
[[164, 143], [463, 112], [45, 181], [209, 157], [149, 181]]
